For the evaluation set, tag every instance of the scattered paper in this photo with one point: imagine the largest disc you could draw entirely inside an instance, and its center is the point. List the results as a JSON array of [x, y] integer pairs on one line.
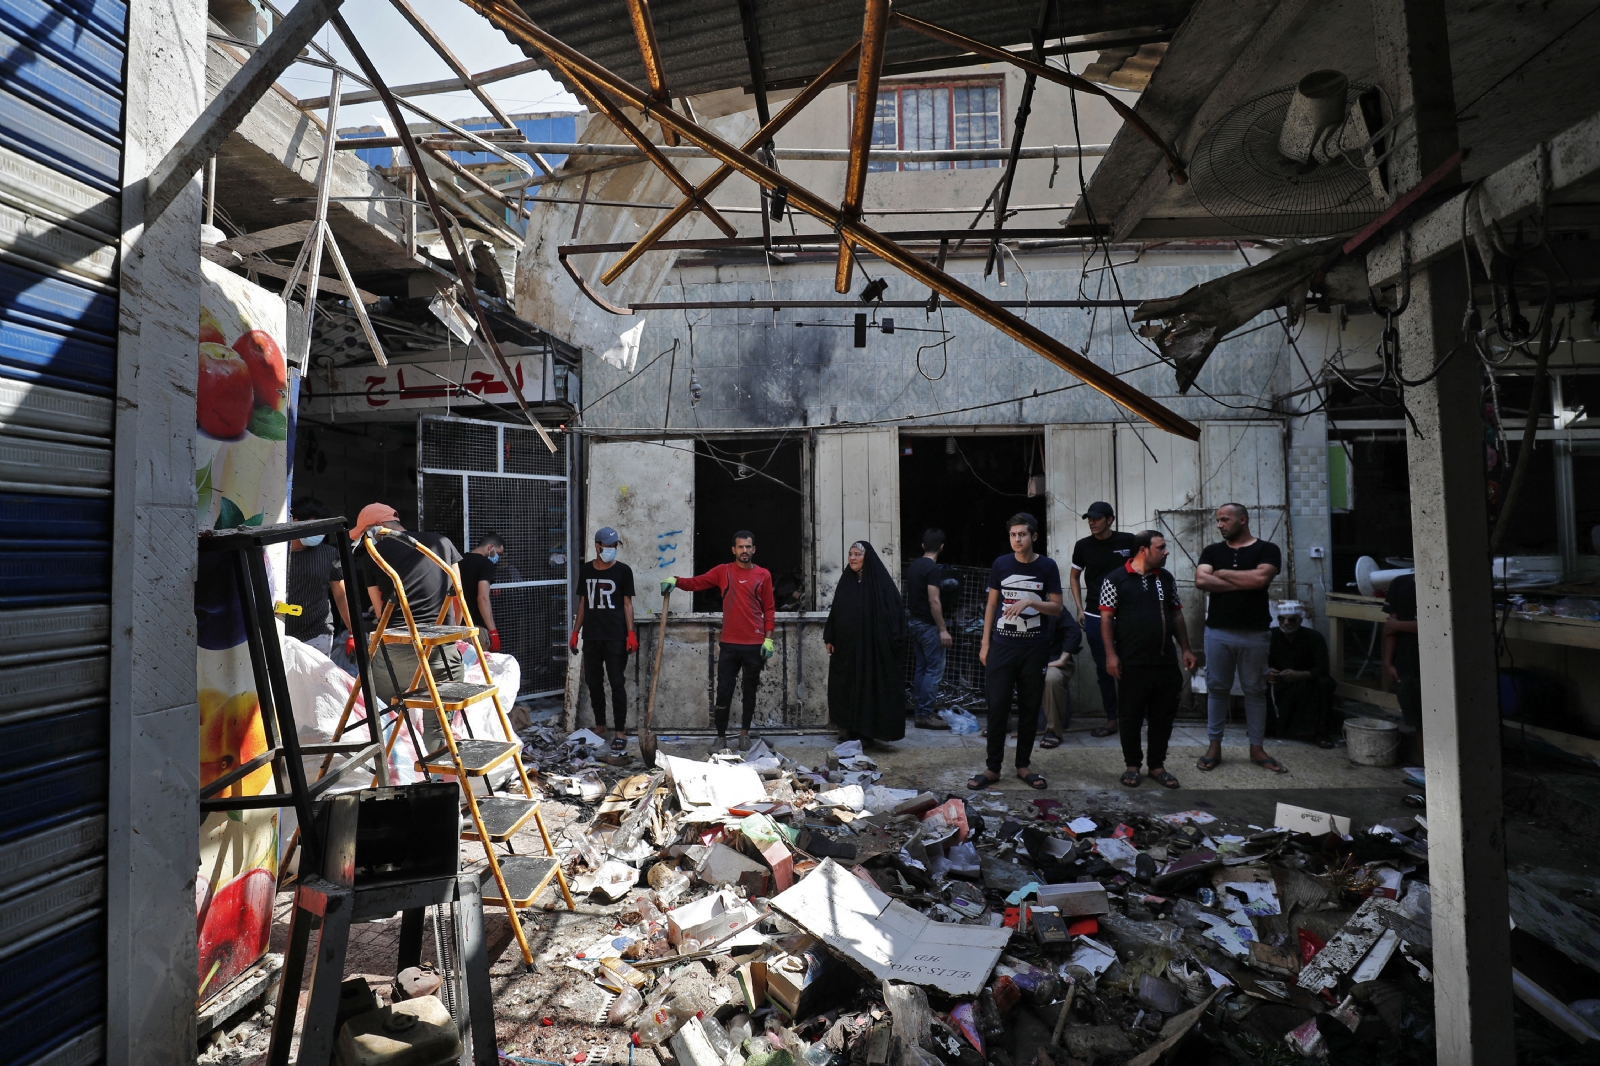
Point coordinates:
[[1185, 817], [851, 796], [1259, 899], [701, 784], [1022, 893], [1082, 825], [1119, 853], [614, 878], [1304, 820], [1092, 955], [1233, 939], [888, 939]]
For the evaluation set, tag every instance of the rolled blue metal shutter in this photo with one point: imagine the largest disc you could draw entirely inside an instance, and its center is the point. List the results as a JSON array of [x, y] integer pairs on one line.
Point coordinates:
[[62, 66]]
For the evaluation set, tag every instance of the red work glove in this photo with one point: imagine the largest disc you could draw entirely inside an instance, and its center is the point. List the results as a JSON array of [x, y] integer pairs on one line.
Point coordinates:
[[573, 643], [633, 642], [350, 645], [494, 640]]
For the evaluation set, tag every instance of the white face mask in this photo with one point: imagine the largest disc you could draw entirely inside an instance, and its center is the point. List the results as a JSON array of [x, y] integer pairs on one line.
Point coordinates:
[[312, 542], [608, 554]]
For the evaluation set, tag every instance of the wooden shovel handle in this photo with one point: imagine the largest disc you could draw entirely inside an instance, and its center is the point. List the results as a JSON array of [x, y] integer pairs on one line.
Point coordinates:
[[655, 672]]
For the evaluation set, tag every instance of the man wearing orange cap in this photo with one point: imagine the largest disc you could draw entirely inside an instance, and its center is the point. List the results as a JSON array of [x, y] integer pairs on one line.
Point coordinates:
[[426, 587]]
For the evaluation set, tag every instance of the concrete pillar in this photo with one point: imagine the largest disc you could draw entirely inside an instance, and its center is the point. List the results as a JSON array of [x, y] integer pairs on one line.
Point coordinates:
[[153, 809], [1450, 540]]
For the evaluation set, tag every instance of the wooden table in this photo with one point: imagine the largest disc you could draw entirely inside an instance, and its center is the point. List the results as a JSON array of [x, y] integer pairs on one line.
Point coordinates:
[[1344, 608]]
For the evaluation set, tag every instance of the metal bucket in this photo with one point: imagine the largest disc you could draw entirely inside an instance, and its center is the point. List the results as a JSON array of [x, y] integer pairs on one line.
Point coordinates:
[[1371, 742]]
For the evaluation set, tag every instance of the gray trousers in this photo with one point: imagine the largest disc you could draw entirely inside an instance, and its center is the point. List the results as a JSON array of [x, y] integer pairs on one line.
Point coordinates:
[[1238, 653], [445, 665]]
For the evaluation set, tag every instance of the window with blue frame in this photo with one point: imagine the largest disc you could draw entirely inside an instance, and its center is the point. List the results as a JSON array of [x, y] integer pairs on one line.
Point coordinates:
[[932, 117]]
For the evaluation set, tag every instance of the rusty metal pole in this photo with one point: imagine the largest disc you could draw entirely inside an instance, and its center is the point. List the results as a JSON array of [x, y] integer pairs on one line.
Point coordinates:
[[457, 255], [874, 28], [644, 31], [1090, 373], [724, 172]]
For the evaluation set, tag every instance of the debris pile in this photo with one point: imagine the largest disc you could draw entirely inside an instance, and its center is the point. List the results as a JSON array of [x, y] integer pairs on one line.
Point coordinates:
[[769, 913]]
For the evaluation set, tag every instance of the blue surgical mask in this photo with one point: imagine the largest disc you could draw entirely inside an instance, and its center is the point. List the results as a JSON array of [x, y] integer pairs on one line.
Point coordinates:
[[495, 559], [608, 554], [312, 542]]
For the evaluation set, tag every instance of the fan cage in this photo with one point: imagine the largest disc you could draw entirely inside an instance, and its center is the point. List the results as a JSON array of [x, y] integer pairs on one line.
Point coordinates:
[[1241, 178]]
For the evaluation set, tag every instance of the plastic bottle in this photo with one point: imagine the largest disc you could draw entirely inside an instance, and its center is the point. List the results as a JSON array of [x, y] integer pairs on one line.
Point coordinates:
[[624, 1008], [739, 1029], [717, 1036], [648, 911], [669, 883]]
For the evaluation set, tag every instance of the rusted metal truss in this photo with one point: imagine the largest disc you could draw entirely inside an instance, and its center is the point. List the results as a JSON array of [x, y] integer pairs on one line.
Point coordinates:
[[850, 230], [464, 270], [644, 31], [874, 31]]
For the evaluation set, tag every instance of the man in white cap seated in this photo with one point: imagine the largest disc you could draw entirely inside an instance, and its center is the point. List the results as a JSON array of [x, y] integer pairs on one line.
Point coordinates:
[[1302, 686]]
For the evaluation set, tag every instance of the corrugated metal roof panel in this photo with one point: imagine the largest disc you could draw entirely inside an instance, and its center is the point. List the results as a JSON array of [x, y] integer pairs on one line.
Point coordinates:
[[703, 48]]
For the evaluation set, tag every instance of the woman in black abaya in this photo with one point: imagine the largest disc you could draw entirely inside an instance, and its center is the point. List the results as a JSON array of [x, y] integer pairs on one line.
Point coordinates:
[[866, 639]]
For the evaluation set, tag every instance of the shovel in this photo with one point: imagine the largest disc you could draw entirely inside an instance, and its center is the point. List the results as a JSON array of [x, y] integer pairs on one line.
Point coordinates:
[[647, 739]]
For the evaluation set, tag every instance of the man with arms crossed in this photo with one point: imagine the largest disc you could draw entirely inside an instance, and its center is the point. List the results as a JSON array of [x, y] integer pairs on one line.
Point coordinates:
[[1234, 574], [1140, 615], [748, 621], [1103, 551], [929, 636]]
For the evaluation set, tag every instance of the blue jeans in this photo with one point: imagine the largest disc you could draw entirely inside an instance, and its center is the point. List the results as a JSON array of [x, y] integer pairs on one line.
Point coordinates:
[[1241, 652], [1097, 650], [929, 668]]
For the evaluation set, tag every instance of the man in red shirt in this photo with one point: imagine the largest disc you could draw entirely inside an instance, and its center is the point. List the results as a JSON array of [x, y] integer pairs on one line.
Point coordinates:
[[747, 623]]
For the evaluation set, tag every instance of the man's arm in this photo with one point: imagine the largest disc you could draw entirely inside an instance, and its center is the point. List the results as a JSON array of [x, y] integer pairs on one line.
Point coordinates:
[[1259, 578], [1107, 634], [1075, 583], [627, 611], [1181, 629], [375, 594], [485, 611], [769, 611], [990, 609], [341, 602], [1208, 580], [711, 579], [1392, 628], [936, 608]]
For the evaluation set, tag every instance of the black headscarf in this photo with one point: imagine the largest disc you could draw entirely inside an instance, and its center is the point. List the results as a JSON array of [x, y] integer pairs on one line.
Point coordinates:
[[867, 627]]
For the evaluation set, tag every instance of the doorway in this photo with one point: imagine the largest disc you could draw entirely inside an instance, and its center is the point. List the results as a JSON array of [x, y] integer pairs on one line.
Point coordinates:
[[753, 483], [968, 486]]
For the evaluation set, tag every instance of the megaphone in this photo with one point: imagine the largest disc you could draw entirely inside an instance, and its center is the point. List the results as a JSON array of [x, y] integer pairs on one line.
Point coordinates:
[[1370, 580]]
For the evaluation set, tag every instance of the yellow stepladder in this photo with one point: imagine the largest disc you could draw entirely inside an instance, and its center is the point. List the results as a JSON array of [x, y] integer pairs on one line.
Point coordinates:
[[518, 879]]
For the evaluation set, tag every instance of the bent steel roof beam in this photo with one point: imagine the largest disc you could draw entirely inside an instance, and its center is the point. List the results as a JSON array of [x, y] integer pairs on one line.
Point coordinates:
[[874, 29], [1031, 336]]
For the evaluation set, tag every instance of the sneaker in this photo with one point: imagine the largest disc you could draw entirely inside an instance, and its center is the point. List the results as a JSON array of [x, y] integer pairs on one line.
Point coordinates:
[[720, 744], [931, 721]]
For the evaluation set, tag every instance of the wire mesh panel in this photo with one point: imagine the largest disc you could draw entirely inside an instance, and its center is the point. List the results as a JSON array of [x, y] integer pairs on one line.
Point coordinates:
[[490, 477], [963, 673], [458, 444]]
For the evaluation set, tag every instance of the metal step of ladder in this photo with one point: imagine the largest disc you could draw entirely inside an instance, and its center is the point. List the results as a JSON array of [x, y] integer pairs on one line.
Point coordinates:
[[516, 880]]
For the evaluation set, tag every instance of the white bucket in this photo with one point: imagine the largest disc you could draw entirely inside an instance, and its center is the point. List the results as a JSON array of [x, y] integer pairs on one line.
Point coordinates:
[[1371, 742]]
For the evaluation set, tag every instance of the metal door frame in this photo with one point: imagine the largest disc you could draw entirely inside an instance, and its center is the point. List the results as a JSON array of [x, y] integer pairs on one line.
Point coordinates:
[[499, 473]]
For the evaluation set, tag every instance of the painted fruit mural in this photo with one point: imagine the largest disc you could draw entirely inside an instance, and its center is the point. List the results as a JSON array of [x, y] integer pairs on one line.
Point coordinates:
[[244, 412]]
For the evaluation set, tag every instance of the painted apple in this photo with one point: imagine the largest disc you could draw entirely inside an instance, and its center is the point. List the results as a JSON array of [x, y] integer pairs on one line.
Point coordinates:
[[226, 395], [231, 734], [210, 328], [268, 371], [237, 929]]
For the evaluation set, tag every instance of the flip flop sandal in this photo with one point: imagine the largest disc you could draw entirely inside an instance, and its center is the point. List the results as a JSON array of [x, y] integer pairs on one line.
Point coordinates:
[[1130, 779], [619, 744], [1050, 740], [1269, 763], [979, 782], [1034, 781], [1208, 764], [1165, 779], [1104, 731]]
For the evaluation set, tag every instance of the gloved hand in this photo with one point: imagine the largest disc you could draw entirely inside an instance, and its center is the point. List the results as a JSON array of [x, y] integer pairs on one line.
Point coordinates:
[[633, 642], [767, 648], [668, 584], [350, 645], [573, 641], [494, 640]]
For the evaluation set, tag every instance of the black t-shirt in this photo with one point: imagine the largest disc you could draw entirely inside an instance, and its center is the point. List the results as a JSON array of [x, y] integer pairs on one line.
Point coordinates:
[[922, 572], [425, 584], [1097, 558], [475, 569], [603, 592], [1247, 608], [1401, 605], [1141, 608], [311, 570], [1013, 580]]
